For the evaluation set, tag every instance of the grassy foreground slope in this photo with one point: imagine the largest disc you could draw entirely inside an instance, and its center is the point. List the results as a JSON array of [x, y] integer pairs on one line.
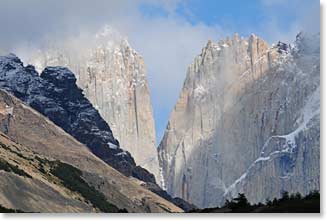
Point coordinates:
[[32, 133]]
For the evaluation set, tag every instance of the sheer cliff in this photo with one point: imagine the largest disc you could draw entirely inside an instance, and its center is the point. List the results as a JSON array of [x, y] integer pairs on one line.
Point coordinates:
[[55, 94], [247, 120], [112, 76]]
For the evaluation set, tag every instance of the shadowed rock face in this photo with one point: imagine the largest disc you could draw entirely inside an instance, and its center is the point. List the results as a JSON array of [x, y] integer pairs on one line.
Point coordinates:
[[55, 94], [34, 144], [113, 78], [247, 120]]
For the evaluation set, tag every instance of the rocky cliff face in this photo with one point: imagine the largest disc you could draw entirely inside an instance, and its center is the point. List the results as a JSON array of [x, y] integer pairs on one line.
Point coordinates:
[[112, 76], [55, 94], [247, 120], [32, 143]]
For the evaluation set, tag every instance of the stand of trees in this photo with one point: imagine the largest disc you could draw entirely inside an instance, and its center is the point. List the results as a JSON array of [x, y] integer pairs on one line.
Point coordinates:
[[294, 203]]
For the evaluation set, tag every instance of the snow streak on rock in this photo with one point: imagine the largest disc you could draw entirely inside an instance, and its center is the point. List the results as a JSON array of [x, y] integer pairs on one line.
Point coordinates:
[[247, 120]]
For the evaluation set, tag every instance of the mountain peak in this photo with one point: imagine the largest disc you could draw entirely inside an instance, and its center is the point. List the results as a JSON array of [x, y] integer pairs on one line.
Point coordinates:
[[12, 58], [112, 76], [236, 37], [108, 32], [241, 123], [59, 76]]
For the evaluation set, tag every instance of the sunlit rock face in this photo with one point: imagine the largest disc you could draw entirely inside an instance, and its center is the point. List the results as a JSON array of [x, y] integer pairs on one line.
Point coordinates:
[[247, 120], [54, 94], [113, 77]]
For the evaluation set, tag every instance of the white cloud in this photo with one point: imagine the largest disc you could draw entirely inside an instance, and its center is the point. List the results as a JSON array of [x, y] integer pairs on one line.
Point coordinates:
[[168, 44], [304, 16]]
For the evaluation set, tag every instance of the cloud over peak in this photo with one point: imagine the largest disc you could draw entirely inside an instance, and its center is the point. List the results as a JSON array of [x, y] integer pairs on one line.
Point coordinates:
[[167, 39]]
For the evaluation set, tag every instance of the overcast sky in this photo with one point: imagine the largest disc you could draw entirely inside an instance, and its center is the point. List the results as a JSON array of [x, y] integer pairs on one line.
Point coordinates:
[[167, 33]]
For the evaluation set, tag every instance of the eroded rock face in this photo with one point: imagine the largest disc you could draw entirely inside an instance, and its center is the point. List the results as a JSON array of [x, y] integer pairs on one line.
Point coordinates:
[[55, 94], [247, 120], [112, 76]]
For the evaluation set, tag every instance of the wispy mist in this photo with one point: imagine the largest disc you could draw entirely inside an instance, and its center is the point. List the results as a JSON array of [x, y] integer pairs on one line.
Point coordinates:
[[168, 42]]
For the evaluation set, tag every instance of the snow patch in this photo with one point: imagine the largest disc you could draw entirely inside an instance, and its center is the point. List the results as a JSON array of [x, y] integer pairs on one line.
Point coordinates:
[[124, 153], [162, 179], [199, 92], [112, 146], [308, 112]]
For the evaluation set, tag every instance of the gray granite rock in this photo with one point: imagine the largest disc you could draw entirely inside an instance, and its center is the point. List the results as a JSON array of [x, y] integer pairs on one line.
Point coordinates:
[[112, 76], [247, 120]]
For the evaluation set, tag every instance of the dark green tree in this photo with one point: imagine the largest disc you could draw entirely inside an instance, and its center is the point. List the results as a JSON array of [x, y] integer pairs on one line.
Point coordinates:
[[285, 196], [238, 203], [241, 200]]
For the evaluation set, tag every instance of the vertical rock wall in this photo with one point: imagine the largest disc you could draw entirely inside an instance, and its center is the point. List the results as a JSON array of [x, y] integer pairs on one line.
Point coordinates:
[[239, 97], [113, 77]]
